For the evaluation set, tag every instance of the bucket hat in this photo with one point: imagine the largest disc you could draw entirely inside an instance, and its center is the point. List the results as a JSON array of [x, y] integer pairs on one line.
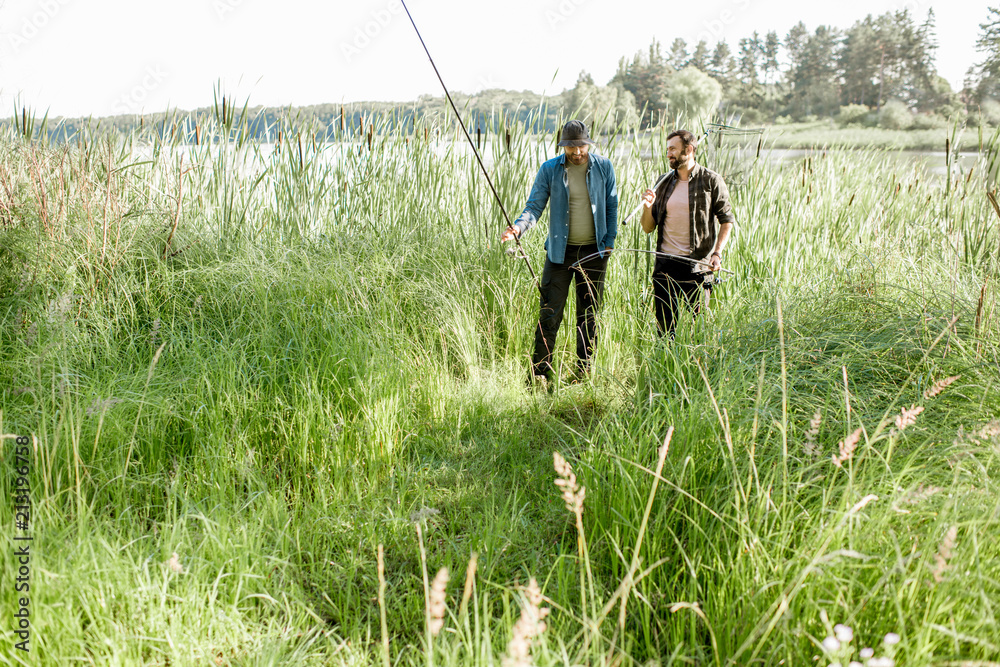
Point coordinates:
[[574, 133]]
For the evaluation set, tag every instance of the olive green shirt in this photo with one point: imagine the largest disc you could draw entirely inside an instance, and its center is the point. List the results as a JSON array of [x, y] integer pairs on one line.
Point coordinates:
[[581, 214]]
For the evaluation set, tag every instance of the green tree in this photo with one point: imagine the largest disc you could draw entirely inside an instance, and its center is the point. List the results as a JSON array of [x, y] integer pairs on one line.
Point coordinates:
[[795, 43], [814, 75], [678, 56], [860, 62], [645, 76], [601, 107], [771, 68], [905, 67], [769, 55], [722, 67], [694, 93], [700, 58], [750, 93], [985, 76]]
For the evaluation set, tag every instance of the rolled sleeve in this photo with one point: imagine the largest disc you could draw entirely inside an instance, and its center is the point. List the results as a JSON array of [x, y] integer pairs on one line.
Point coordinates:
[[721, 207]]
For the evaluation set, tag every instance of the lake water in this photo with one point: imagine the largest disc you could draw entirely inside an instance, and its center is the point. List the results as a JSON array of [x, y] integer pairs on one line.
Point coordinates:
[[932, 161]]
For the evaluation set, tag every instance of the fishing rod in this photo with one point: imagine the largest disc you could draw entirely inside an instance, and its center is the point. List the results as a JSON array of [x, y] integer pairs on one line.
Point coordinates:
[[654, 188], [475, 151], [696, 262]]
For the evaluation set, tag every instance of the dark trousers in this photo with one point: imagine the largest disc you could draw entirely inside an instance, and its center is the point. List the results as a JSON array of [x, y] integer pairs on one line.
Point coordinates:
[[675, 281], [555, 282]]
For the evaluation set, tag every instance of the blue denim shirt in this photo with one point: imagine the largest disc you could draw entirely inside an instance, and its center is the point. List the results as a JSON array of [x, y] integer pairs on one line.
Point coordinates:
[[552, 183]]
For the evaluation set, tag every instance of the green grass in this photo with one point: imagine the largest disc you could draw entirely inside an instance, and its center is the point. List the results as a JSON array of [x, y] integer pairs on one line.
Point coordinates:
[[829, 134], [333, 348]]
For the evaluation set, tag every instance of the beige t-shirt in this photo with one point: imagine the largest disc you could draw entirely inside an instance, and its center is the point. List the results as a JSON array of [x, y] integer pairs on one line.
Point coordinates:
[[581, 215], [677, 228]]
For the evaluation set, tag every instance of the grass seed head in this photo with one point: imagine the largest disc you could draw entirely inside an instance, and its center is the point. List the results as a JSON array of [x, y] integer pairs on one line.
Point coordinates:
[[809, 446], [174, 563], [528, 626], [423, 513], [31, 334], [943, 555], [991, 430], [847, 447], [939, 386], [908, 417], [97, 405], [437, 601], [920, 494], [572, 493]]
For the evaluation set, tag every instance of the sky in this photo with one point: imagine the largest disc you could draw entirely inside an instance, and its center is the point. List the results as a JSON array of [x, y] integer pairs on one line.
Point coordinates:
[[109, 57]]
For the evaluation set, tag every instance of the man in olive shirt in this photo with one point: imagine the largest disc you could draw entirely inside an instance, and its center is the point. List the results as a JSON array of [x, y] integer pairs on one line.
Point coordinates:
[[583, 221], [693, 217]]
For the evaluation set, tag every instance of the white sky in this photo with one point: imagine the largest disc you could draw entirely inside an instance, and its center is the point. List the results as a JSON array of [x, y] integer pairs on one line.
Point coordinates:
[[103, 57]]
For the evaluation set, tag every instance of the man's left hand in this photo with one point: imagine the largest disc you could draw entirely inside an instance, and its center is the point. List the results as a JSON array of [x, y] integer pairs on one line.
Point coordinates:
[[715, 262]]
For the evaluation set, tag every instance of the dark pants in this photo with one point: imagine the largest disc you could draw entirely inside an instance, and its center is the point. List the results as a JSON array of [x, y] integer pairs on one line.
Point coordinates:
[[674, 281], [556, 278]]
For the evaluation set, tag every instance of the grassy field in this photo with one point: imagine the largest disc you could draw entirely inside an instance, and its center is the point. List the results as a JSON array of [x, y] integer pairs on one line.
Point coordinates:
[[828, 134], [275, 413]]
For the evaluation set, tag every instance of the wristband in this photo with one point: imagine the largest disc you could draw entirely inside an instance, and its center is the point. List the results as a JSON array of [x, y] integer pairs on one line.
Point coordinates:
[[716, 253]]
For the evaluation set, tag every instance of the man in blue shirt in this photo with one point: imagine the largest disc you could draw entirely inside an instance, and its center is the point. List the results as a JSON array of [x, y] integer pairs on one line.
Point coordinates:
[[583, 221]]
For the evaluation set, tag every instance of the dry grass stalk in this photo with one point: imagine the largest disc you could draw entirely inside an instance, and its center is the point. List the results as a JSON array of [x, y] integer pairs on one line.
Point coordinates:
[[944, 554], [572, 493], [980, 305], [847, 392], [991, 430], [939, 386], [529, 626], [920, 494], [98, 406], [908, 417], [423, 514], [809, 446], [174, 563], [437, 601], [470, 582], [31, 334], [177, 213], [847, 447], [386, 656]]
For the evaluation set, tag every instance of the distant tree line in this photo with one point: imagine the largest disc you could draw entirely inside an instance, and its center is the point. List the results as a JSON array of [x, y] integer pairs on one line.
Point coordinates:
[[487, 110], [880, 71], [811, 74]]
